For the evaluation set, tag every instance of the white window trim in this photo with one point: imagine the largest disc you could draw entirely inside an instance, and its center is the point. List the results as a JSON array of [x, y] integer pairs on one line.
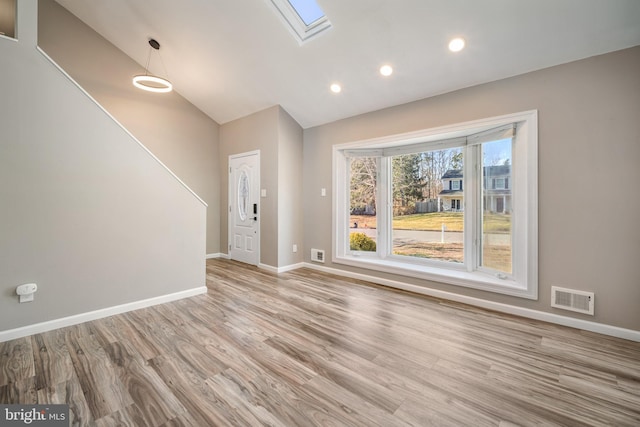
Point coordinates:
[[301, 31], [525, 203]]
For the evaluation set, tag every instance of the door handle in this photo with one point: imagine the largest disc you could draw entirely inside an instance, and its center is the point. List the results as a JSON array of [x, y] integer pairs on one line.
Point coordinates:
[[255, 208]]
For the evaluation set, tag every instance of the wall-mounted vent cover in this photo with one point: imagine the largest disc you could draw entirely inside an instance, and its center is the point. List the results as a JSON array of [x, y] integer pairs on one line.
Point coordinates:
[[317, 255], [570, 299]]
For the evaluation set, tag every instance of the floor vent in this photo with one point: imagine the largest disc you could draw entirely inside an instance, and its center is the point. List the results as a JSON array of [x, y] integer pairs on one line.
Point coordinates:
[[570, 299], [317, 255]]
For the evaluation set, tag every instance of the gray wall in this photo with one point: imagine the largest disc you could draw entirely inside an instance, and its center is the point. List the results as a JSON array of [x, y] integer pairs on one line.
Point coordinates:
[[85, 211], [589, 151], [258, 131], [290, 230], [279, 139], [180, 135]]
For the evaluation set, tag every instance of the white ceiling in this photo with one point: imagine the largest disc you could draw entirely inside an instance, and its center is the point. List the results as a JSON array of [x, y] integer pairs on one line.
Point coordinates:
[[232, 58]]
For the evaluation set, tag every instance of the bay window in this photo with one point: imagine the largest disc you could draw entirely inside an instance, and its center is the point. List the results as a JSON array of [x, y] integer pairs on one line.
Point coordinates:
[[456, 204]]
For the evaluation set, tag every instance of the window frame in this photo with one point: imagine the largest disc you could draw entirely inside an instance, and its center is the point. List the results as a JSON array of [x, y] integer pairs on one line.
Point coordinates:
[[524, 184], [302, 31]]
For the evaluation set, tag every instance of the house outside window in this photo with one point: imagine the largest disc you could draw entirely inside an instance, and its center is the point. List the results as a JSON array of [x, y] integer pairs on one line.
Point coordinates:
[[462, 225], [452, 190], [497, 196]]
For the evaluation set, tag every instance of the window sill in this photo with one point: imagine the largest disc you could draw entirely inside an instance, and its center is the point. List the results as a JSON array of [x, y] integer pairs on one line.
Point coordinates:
[[476, 280]]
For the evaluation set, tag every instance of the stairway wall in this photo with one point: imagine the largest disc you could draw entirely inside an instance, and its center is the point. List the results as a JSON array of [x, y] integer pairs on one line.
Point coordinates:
[[86, 212], [173, 129]]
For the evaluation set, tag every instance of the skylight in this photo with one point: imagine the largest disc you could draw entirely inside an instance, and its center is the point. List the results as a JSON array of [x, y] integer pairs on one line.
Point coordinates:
[[304, 18], [308, 10]]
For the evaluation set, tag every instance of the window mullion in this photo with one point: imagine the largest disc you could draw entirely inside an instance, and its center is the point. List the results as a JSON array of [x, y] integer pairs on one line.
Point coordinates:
[[384, 211], [472, 208], [341, 213]]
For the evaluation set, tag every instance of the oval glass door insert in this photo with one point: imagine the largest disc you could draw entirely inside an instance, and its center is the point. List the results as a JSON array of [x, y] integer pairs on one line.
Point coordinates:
[[243, 195]]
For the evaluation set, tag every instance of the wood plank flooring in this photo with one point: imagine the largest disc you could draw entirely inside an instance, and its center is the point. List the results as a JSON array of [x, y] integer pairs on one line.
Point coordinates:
[[309, 349]]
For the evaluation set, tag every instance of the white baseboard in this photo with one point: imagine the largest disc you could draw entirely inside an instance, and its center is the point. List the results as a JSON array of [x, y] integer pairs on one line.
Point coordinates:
[[267, 267], [282, 269], [291, 267], [586, 325], [97, 314], [217, 255]]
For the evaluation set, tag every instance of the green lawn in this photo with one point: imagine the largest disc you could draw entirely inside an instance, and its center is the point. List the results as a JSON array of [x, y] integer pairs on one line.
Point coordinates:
[[493, 223]]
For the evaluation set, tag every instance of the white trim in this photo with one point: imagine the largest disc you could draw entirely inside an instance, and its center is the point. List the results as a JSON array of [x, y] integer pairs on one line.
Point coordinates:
[[47, 57], [436, 134], [292, 267], [452, 275], [97, 314], [5, 37], [217, 255], [587, 325], [284, 269], [268, 267]]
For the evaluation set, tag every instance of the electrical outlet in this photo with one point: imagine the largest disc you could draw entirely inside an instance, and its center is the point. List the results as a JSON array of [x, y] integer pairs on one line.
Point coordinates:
[[295, 248]]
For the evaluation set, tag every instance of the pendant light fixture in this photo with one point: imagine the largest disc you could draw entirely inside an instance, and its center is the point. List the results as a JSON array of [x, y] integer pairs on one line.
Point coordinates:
[[148, 81]]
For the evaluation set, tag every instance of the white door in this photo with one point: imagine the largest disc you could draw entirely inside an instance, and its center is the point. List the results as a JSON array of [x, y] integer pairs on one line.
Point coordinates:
[[244, 209]]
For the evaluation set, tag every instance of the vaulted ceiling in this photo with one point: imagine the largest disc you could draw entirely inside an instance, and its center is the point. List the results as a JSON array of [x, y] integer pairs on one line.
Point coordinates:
[[232, 58]]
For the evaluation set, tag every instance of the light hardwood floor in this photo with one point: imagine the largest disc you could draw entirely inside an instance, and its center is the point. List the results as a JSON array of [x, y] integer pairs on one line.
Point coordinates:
[[306, 348]]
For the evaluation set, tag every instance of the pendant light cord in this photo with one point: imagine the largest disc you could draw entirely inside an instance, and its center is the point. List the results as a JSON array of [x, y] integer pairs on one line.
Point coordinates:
[[146, 69], [163, 66]]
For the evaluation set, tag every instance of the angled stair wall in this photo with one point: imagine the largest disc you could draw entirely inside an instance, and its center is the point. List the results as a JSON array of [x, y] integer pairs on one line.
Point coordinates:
[[86, 211]]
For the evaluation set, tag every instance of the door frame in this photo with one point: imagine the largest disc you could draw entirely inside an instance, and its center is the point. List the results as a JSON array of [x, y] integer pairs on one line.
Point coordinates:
[[231, 192]]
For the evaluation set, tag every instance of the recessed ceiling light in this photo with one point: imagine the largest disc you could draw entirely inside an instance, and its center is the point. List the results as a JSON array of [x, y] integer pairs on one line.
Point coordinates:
[[456, 45], [386, 70], [336, 88]]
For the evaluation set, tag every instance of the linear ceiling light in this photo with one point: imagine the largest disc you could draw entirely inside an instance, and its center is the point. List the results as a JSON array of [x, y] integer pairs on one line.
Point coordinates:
[[148, 81]]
